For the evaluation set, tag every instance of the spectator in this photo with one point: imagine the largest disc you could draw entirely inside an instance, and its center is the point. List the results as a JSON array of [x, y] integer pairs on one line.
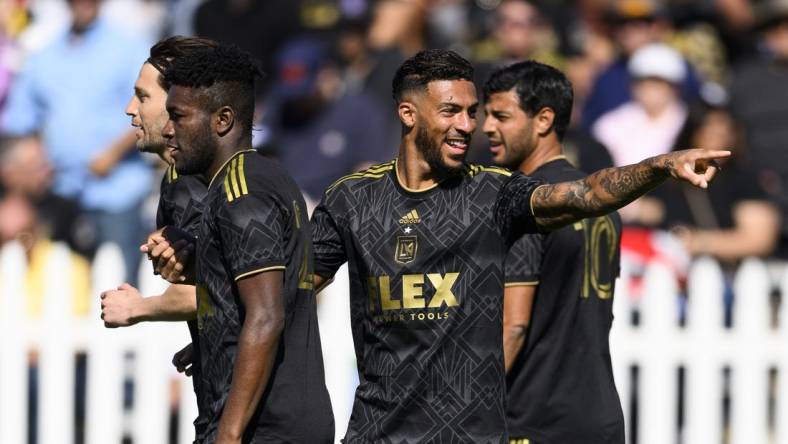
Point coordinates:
[[647, 125], [643, 127], [73, 92], [760, 102], [635, 23], [397, 31], [259, 27], [19, 222], [323, 134], [26, 171], [731, 220]]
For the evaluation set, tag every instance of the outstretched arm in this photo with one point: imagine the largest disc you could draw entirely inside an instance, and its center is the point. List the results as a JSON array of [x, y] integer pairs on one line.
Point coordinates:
[[612, 188]]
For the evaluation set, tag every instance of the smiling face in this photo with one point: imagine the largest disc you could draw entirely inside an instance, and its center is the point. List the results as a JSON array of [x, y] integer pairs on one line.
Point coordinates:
[[189, 131], [147, 111], [510, 130], [444, 120]]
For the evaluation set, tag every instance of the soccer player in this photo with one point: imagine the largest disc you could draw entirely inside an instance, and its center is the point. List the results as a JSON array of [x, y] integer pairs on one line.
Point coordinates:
[[260, 356], [558, 296], [180, 201], [425, 237]]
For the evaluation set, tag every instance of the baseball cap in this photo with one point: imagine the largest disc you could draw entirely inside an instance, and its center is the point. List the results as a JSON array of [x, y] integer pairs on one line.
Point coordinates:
[[660, 61]]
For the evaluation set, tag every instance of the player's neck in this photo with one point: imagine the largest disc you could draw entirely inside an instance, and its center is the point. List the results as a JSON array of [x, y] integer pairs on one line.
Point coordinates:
[[545, 152], [413, 171], [223, 155]]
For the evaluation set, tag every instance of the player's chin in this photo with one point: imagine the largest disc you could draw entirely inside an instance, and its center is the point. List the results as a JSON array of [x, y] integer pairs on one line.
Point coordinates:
[[453, 163]]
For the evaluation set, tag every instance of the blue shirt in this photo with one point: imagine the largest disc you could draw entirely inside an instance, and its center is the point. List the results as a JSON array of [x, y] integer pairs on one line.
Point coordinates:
[[74, 92]]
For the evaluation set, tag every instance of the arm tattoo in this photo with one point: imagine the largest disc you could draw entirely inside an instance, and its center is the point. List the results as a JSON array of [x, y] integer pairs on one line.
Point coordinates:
[[600, 193]]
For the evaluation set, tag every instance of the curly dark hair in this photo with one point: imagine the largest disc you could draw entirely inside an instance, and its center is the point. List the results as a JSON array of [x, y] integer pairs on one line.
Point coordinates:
[[538, 86], [168, 49], [428, 66], [223, 74]]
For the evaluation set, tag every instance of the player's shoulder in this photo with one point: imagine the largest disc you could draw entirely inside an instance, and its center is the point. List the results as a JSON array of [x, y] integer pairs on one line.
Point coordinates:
[[193, 184], [371, 174], [558, 170], [478, 172], [249, 171]]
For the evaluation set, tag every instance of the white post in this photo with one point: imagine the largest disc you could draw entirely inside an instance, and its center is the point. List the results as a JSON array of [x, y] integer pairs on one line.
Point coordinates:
[[658, 360], [750, 370], [56, 364], [105, 359], [152, 367], [623, 340], [705, 322], [782, 357], [339, 356], [13, 345], [187, 411]]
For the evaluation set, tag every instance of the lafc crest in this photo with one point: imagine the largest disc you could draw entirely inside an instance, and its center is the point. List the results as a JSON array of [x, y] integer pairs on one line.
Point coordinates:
[[407, 246]]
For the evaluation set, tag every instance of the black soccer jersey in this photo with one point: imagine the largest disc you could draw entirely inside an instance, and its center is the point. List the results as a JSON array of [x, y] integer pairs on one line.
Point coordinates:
[[181, 201], [426, 291], [560, 387], [255, 220], [181, 206]]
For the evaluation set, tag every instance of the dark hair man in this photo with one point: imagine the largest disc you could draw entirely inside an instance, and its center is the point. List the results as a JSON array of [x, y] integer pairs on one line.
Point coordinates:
[[558, 296], [259, 349], [180, 201], [425, 236]]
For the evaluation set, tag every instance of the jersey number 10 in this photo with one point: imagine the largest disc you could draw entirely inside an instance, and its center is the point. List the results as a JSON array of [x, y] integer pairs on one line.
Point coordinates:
[[600, 251]]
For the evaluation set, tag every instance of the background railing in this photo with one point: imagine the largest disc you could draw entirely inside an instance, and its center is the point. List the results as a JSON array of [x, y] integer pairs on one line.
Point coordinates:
[[731, 388]]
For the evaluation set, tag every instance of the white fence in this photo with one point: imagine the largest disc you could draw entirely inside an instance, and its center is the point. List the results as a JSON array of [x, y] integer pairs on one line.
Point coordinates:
[[752, 349]]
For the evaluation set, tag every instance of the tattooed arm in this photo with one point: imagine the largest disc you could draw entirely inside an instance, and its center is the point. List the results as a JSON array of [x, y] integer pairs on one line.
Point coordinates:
[[612, 188]]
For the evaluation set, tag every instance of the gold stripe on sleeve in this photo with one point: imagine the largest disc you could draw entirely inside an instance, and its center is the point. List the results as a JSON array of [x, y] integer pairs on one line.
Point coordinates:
[[227, 188], [259, 270], [521, 284], [233, 179], [241, 175]]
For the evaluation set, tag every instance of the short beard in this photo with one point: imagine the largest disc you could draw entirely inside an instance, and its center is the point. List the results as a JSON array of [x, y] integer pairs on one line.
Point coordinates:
[[200, 156], [432, 154], [147, 145]]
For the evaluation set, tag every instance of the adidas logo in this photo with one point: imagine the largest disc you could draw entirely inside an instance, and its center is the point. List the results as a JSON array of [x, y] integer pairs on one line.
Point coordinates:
[[411, 218]]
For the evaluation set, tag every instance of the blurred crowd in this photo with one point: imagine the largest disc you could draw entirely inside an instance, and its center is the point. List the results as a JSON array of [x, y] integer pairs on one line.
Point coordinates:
[[649, 77]]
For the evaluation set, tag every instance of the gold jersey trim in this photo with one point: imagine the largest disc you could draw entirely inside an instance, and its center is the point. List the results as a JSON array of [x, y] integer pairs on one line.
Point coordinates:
[[521, 284], [473, 170], [172, 175], [373, 172], [235, 179], [225, 164], [259, 270]]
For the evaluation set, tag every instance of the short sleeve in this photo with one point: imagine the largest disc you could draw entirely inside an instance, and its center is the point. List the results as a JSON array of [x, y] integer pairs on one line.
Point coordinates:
[[523, 262], [327, 242], [252, 231], [513, 211]]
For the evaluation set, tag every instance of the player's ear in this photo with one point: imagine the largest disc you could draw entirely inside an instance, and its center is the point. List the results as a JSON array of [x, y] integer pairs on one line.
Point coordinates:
[[407, 113], [224, 119], [544, 121]]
